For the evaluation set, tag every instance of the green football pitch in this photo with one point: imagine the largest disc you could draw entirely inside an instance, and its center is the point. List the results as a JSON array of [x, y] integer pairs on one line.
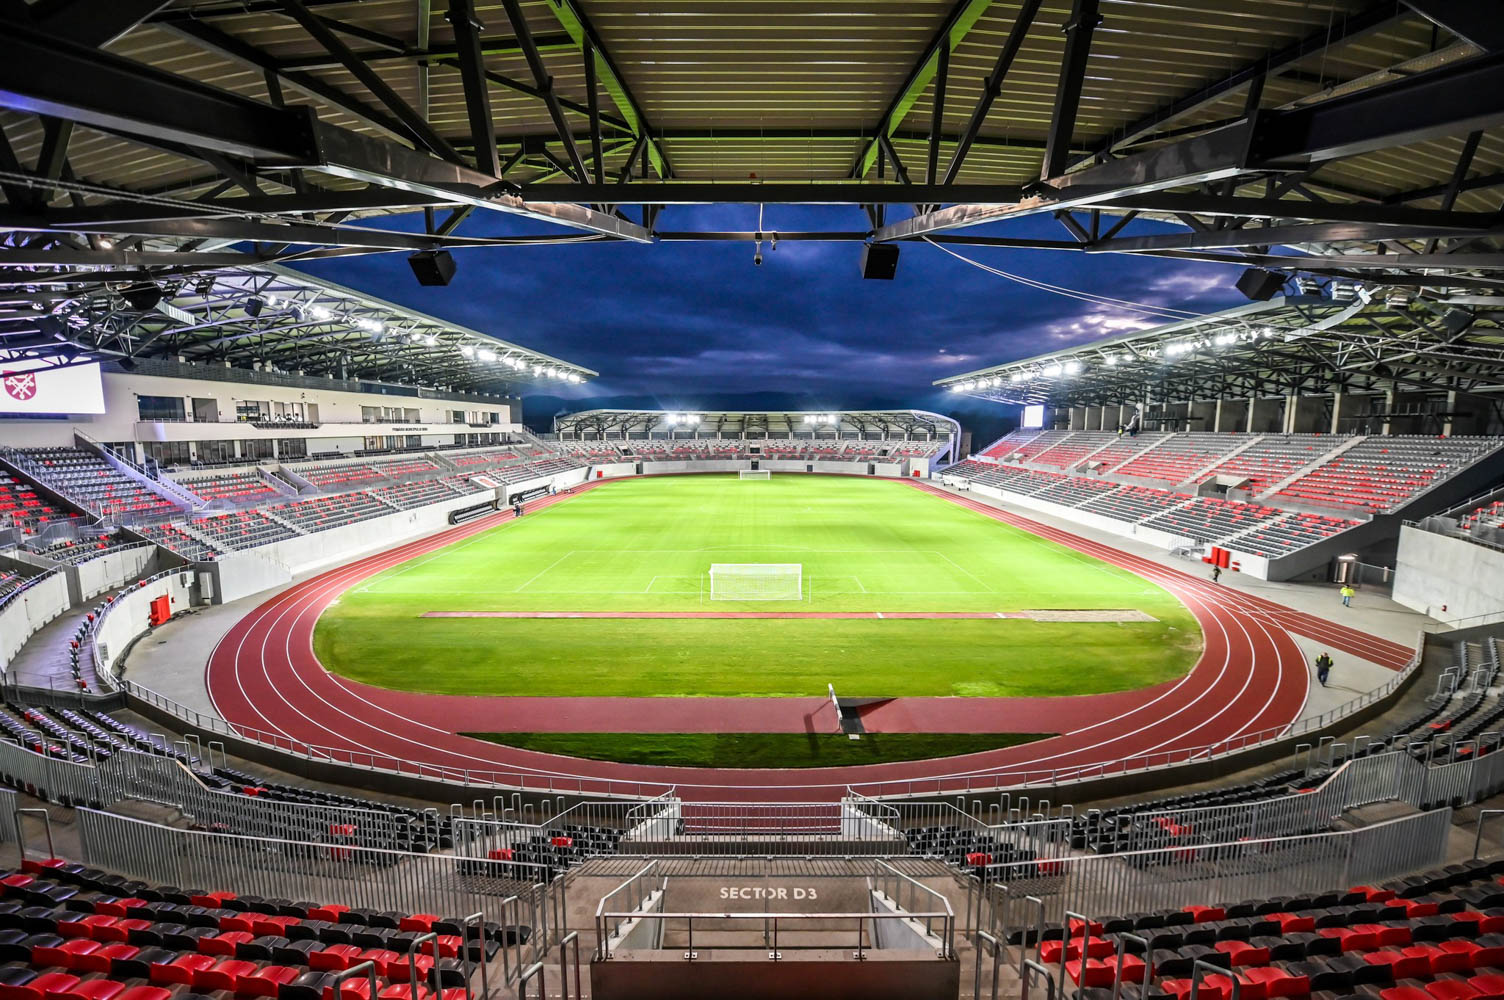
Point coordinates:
[[646, 545]]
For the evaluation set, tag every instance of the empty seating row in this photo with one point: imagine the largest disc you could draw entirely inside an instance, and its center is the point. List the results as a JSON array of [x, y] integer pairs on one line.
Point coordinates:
[[21, 507], [1135, 503], [1180, 456], [1289, 534], [1382, 473], [170, 535], [234, 487], [1074, 449], [1275, 457], [243, 529], [339, 476], [90, 481], [319, 513], [418, 493], [74, 551], [1207, 519]]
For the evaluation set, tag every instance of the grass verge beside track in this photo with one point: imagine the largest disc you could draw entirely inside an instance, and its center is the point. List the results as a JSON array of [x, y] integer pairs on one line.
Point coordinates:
[[785, 750]]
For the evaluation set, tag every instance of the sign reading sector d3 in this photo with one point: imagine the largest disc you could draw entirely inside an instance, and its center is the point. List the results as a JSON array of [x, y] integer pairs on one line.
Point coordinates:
[[32, 386]]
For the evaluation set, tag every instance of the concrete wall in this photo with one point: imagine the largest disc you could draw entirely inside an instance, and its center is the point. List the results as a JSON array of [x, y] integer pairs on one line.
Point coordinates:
[[24, 614], [129, 617], [1435, 572]]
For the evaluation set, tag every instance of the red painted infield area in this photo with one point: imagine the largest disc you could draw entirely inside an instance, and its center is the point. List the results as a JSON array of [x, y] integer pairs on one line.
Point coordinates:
[[1251, 677]]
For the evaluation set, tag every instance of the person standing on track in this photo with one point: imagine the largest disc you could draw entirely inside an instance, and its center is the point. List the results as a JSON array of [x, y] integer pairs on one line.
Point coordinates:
[[1216, 574], [1347, 593], [1323, 667]]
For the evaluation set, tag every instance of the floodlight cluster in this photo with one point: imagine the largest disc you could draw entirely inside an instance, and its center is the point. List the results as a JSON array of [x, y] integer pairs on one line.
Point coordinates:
[[682, 419], [822, 418]]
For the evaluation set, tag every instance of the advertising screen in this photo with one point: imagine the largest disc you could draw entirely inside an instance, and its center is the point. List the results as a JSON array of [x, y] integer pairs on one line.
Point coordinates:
[[36, 386], [1034, 416]]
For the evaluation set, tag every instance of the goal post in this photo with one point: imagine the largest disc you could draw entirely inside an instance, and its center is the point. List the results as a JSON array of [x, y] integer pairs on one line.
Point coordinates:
[[755, 474], [756, 581]]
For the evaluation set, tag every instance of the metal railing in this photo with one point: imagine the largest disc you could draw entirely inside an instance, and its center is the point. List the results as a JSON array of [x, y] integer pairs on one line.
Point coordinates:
[[1172, 877], [358, 877], [635, 894]]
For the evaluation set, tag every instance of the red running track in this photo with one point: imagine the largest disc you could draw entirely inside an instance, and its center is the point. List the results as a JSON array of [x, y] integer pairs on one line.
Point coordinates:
[[1251, 679]]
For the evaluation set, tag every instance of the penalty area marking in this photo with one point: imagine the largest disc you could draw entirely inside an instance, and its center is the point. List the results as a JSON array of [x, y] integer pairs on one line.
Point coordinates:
[[1126, 615]]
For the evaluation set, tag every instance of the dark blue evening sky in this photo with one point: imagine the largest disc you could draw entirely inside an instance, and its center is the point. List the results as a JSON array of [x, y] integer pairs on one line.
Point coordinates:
[[695, 325]]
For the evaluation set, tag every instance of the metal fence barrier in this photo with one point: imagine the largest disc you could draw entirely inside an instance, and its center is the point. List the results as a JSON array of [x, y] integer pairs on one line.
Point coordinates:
[[1169, 878]]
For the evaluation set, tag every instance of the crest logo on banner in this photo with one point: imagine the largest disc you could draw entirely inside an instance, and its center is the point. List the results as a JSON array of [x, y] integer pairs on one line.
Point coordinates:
[[22, 385]]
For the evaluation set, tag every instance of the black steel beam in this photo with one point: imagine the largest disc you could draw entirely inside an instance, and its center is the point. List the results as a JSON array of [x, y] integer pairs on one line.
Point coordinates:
[[992, 87], [477, 89], [937, 112], [213, 39], [593, 102], [828, 193], [1477, 21], [250, 231], [418, 128], [1083, 23], [545, 85], [505, 46], [1314, 233], [92, 22], [1193, 203], [1341, 29], [1459, 98]]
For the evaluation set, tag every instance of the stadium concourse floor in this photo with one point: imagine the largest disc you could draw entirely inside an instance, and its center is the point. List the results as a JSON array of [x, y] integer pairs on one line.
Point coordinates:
[[1253, 677]]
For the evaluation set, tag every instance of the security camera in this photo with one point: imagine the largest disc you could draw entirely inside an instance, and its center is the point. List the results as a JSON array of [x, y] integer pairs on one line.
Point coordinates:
[[757, 259]]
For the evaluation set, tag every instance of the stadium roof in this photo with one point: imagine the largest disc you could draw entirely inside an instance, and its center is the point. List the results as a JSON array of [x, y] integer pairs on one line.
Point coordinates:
[[148, 138], [271, 318], [1357, 341], [739, 421]]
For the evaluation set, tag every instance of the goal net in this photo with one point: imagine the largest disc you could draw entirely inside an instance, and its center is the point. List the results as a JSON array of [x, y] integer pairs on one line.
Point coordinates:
[[756, 474], [756, 581]]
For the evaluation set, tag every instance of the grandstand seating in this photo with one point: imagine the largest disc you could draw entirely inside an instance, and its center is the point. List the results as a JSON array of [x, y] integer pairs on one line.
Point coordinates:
[[418, 493], [1274, 458], [170, 535], [89, 480], [1135, 503], [76, 933], [1125, 448], [10, 582], [320, 513], [1487, 515], [234, 487], [1207, 519], [22, 507], [1180, 456], [405, 467], [1073, 449], [75, 551], [1007, 445], [1026, 451], [1073, 491], [339, 477], [242, 529], [1289, 534], [1382, 473]]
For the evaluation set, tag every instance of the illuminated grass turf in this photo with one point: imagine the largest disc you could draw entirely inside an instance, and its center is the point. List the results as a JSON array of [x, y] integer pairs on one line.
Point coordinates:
[[645, 545]]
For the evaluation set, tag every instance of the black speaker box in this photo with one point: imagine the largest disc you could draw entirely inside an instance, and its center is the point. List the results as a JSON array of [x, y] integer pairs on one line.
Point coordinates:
[[1260, 285], [432, 267], [880, 260]]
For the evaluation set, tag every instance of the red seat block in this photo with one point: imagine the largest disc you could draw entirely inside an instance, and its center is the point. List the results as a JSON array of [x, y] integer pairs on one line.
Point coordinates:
[[1404, 993], [385, 960], [1452, 956], [118, 907], [238, 922], [358, 988], [1212, 988], [1451, 989], [1401, 965], [94, 989], [1418, 908], [331, 912], [54, 955], [1384, 935], [144, 993], [1277, 982], [1243, 953], [213, 900], [267, 980], [418, 922], [103, 960], [224, 943], [1093, 972], [99, 926], [16, 882], [334, 958], [272, 925], [449, 945], [1291, 923], [223, 975], [180, 970], [1489, 987], [51, 984], [1201, 914], [1372, 894]]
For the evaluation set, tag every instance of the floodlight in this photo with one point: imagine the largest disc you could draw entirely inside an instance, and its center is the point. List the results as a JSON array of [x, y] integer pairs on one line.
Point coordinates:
[[1053, 371], [485, 354], [1072, 367], [467, 351], [1111, 359], [321, 313]]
